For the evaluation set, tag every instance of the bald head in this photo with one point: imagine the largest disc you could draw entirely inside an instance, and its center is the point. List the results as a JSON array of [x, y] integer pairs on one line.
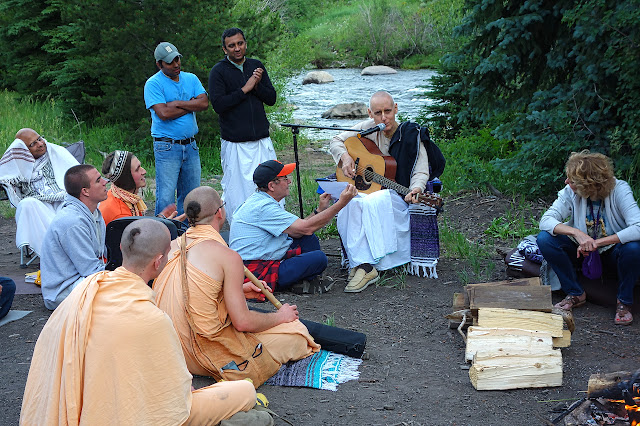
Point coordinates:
[[142, 241], [202, 204], [381, 96], [33, 141]]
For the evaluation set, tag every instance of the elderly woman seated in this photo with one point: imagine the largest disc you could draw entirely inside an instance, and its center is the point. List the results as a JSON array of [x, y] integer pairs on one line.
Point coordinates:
[[603, 222], [127, 178]]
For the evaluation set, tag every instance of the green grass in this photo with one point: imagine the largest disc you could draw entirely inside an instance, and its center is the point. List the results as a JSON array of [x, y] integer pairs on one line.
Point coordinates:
[[454, 244], [393, 278], [329, 320]]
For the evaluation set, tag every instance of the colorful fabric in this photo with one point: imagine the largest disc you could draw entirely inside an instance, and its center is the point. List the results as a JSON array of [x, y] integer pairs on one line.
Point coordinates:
[[117, 165], [133, 201], [425, 241], [322, 370], [267, 270], [529, 249]]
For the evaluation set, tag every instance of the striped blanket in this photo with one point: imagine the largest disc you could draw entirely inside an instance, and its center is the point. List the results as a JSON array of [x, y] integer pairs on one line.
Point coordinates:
[[322, 370]]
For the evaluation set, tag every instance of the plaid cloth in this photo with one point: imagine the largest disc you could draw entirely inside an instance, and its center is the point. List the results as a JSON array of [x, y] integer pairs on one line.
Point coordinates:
[[267, 270]]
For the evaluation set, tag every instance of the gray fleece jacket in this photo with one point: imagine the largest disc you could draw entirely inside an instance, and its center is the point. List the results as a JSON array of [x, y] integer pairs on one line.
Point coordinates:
[[73, 248]]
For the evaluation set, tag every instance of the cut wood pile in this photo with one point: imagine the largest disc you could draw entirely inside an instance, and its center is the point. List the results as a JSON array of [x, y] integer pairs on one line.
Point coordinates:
[[512, 333]]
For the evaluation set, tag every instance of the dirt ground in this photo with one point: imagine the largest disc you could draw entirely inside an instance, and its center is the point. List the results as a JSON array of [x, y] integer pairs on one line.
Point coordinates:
[[415, 372]]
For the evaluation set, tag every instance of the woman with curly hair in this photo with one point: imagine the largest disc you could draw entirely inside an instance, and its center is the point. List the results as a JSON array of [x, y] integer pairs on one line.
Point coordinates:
[[601, 215]]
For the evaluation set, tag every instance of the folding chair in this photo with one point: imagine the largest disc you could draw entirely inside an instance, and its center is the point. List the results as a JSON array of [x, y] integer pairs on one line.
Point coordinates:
[[115, 228]]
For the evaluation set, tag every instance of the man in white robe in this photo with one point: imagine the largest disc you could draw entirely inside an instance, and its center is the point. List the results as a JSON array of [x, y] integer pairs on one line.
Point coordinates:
[[32, 173]]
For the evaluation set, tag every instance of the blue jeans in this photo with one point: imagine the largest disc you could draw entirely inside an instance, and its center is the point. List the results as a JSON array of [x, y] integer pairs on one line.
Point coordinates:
[[560, 253], [6, 297], [177, 168], [305, 266]]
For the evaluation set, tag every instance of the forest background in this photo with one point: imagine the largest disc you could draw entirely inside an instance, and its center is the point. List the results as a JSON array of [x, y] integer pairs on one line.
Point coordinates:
[[520, 84]]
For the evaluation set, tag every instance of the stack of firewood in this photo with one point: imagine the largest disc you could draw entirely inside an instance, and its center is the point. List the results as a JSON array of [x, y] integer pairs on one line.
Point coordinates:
[[511, 336]]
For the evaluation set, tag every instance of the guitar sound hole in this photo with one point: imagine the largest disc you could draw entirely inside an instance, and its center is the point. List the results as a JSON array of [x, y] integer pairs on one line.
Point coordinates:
[[361, 184]]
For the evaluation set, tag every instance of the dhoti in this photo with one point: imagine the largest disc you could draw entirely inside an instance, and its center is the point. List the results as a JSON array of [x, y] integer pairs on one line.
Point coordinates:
[[32, 221]]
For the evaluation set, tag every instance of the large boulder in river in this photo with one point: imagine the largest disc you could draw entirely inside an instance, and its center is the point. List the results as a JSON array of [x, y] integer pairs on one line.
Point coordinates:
[[352, 110], [378, 70], [318, 77]]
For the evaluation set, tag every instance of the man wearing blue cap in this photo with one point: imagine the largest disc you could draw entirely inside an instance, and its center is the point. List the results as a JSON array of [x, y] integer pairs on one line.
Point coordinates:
[[277, 246], [174, 97]]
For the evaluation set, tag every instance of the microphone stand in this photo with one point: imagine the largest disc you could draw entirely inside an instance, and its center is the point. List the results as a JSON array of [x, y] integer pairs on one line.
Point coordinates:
[[295, 130]]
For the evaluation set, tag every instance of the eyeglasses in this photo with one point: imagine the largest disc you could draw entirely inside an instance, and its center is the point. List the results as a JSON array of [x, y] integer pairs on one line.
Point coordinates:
[[256, 353], [221, 206], [278, 178], [32, 144]]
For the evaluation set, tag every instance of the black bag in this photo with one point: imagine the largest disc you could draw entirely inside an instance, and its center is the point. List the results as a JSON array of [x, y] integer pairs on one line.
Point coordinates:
[[334, 339]]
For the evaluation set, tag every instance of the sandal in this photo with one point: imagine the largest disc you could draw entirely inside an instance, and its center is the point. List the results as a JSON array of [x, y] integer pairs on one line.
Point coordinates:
[[570, 302], [623, 316]]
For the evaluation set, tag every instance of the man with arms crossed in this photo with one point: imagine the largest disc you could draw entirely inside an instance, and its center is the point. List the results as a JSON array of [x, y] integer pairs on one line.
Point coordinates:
[[239, 87], [174, 97], [109, 355]]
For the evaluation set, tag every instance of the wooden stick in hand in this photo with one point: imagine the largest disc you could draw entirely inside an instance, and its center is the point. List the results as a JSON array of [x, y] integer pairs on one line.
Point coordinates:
[[267, 293]]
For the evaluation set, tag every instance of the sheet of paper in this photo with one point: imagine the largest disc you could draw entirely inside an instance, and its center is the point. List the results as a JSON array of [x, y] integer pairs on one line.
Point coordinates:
[[332, 188]]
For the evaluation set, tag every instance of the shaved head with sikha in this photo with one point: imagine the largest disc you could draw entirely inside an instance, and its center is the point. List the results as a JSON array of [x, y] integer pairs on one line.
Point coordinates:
[[201, 204], [142, 242]]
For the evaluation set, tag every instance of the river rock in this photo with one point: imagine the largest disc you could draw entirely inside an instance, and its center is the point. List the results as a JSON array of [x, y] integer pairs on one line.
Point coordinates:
[[352, 110], [318, 77], [378, 70]]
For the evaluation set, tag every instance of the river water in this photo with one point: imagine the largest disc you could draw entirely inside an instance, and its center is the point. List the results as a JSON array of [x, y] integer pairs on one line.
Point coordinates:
[[311, 100]]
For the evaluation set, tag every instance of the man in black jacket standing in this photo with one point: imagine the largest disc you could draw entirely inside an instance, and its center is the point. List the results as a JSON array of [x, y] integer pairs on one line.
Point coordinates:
[[239, 87]]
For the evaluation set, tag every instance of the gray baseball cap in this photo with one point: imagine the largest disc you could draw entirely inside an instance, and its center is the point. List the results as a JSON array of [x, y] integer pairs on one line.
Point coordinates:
[[166, 52]]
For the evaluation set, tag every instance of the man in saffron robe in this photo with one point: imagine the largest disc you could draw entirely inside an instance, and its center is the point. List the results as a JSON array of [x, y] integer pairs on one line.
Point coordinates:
[[202, 290], [109, 355]]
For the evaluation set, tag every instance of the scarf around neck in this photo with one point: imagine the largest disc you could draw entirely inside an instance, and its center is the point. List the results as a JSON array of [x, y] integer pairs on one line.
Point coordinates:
[[133, 201]]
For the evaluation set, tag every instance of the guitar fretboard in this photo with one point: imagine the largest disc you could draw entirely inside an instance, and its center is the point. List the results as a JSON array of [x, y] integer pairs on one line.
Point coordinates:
[[372, 176]]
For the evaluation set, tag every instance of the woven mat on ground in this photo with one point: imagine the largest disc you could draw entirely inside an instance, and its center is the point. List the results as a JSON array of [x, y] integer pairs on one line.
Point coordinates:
[[322, 370]]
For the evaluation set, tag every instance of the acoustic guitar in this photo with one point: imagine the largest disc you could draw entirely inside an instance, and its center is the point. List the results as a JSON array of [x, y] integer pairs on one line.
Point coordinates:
[[375, 171]]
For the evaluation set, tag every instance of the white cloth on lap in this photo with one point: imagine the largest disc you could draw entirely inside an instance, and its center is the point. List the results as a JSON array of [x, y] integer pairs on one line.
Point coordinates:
[[33, 218], [375, 229], [239, 160]]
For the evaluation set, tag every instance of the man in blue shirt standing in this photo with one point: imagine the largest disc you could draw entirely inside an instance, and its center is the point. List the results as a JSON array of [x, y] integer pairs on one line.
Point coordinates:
[[173, 97]]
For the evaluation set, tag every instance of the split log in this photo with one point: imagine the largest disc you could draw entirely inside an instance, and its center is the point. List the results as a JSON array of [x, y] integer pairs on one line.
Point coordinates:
[[512, 339], [532, 281], [516, 369], [564, 341], [606, 383], [531, 298], [517, 318]]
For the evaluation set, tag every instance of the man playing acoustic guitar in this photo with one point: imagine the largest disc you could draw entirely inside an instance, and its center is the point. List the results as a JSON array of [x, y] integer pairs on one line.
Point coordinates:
[[380, 228]]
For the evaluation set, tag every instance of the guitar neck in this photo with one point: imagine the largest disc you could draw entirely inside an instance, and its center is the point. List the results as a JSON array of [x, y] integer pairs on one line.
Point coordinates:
[[372, 176]]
